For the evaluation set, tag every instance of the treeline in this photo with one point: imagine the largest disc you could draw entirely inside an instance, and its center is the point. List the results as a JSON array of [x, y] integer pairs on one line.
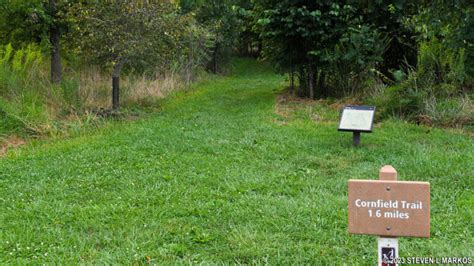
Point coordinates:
[[84, 59], [412, 59], [140, 36]]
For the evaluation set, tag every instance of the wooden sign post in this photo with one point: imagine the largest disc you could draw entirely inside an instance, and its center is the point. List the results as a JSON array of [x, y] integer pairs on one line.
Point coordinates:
[[389, 208]]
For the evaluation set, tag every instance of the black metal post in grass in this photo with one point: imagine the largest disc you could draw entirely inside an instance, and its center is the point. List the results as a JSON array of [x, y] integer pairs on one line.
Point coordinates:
[[356, 138]]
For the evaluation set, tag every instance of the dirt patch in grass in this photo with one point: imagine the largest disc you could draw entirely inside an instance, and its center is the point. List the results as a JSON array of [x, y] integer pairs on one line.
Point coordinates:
[[343, 102], [11, 142], [286, 103], [290, 107]]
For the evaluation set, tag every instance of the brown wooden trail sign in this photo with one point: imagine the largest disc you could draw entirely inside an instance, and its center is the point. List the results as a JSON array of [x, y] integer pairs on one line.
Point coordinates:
[[387, 207]]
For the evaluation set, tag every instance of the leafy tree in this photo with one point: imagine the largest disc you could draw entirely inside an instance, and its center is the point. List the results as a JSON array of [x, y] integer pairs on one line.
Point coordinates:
[[299, 36], [328, 45], [389, 18], [249, 43], [23, 22], [132, 33], [220, 19], [54, 38], [448, 25]]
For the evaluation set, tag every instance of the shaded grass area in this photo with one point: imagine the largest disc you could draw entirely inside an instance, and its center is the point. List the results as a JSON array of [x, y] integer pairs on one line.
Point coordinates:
[[219, 176]]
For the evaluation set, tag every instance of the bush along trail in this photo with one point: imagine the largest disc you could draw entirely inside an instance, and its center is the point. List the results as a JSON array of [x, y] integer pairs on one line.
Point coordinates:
[[220, 175]]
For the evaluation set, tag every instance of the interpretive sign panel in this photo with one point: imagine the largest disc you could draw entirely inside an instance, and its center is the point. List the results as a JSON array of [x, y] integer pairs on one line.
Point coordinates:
[[389, 208], [357, 118]]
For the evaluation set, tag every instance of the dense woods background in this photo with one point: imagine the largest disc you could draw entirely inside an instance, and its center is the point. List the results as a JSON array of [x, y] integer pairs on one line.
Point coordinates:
[[66, 64]]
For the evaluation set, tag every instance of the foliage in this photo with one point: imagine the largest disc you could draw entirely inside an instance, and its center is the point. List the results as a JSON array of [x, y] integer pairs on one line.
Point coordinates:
[[355, 58], [125, 32], [146, 37], [438, 89], [417, 54], [22, 104], [220, 19], [434, 93], [314, 39], [389, 18], [446, 40], [249, 43], [442, 64], [449, 23], [194, 51], [37, 21], [31, 106], [23, 22], [420, 53]]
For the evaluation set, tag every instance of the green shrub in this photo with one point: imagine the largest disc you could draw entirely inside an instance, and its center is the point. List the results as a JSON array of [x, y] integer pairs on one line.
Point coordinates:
[[32, 107], [354, 59], [403, 101], [70, 93], [433, 93], [9, 120], [442, 64], [22, 89]]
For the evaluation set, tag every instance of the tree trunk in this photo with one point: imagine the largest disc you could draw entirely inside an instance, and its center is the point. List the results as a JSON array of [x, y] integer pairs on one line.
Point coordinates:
[[259, 47], [322, 84], [216, 51], [311, 81], [190, 64], [54, 33], [116, 85], [292, 81], [303, 81]]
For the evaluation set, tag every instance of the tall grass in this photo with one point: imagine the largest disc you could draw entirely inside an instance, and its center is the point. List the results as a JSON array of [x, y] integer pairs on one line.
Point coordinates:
[[94, 91], [23, 101], [31, 105]]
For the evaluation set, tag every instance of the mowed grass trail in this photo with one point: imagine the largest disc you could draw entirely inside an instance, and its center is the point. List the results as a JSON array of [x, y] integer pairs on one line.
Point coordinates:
[[219, 177]]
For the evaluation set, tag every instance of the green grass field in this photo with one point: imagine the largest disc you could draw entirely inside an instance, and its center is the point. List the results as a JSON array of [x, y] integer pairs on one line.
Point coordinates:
[[219, 176]]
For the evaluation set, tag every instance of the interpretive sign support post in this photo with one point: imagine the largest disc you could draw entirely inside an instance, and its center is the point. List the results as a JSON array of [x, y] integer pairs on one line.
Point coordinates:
[[387, 246], [356, 138]]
